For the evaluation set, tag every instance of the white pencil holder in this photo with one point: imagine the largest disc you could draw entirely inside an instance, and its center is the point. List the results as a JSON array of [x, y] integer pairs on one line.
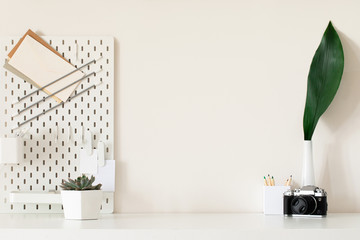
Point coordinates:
[[274, 199], [11, 150]]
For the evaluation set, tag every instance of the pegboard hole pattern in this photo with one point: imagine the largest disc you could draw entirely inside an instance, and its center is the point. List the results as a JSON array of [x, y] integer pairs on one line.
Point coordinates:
[[47, 159]]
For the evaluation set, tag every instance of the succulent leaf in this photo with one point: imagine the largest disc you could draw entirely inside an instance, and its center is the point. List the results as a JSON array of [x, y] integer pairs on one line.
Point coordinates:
[[81, 183]]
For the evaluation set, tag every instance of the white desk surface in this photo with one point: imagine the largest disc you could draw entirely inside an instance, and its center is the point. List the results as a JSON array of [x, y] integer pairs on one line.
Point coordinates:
[[180, 226]]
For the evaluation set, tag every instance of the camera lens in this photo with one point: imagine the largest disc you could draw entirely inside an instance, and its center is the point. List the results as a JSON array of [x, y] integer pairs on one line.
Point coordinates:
[[303, 205]]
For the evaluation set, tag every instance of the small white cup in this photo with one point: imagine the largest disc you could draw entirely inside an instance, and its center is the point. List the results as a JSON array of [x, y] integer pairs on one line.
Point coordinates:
[[274, 199], [12, 150]]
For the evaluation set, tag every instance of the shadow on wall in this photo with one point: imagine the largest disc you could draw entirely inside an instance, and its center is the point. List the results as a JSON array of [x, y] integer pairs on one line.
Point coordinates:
[[336, 173], [116, 145]]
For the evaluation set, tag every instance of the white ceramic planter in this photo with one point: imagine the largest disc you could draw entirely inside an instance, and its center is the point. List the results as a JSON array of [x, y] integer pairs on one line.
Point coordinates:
[[308, 176], [81, 204]]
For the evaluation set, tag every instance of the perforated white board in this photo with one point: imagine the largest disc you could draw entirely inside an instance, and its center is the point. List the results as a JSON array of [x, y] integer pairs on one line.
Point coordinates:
[[47, 161]]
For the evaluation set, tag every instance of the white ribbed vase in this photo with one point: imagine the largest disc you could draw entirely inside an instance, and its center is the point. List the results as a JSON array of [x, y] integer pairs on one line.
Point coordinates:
[[308, 177]]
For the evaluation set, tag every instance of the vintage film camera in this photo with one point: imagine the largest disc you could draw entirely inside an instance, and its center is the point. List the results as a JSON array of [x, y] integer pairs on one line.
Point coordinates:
[[306, 201]]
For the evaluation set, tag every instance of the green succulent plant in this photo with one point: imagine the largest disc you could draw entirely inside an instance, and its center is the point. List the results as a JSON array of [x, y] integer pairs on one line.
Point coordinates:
[[82, 183]]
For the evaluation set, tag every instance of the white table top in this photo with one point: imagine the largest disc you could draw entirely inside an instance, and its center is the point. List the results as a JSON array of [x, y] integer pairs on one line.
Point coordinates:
[[180, 226]]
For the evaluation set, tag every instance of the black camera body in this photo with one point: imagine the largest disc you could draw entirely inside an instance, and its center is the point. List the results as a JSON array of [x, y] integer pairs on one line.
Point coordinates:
[[306, 201]]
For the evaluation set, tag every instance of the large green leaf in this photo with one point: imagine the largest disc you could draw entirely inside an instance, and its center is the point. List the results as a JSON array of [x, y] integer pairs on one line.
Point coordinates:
[[324, 79]]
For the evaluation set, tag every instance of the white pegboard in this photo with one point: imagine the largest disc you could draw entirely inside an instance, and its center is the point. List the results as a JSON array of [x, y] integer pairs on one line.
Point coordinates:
[[47, 161]]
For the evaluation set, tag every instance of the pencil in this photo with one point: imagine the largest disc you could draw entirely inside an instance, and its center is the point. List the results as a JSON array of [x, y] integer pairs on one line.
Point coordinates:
[[286, 183], [290, 179], [265, 182]]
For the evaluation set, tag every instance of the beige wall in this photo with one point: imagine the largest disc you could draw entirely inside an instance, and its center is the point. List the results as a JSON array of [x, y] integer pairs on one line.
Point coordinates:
[[210, 96]]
